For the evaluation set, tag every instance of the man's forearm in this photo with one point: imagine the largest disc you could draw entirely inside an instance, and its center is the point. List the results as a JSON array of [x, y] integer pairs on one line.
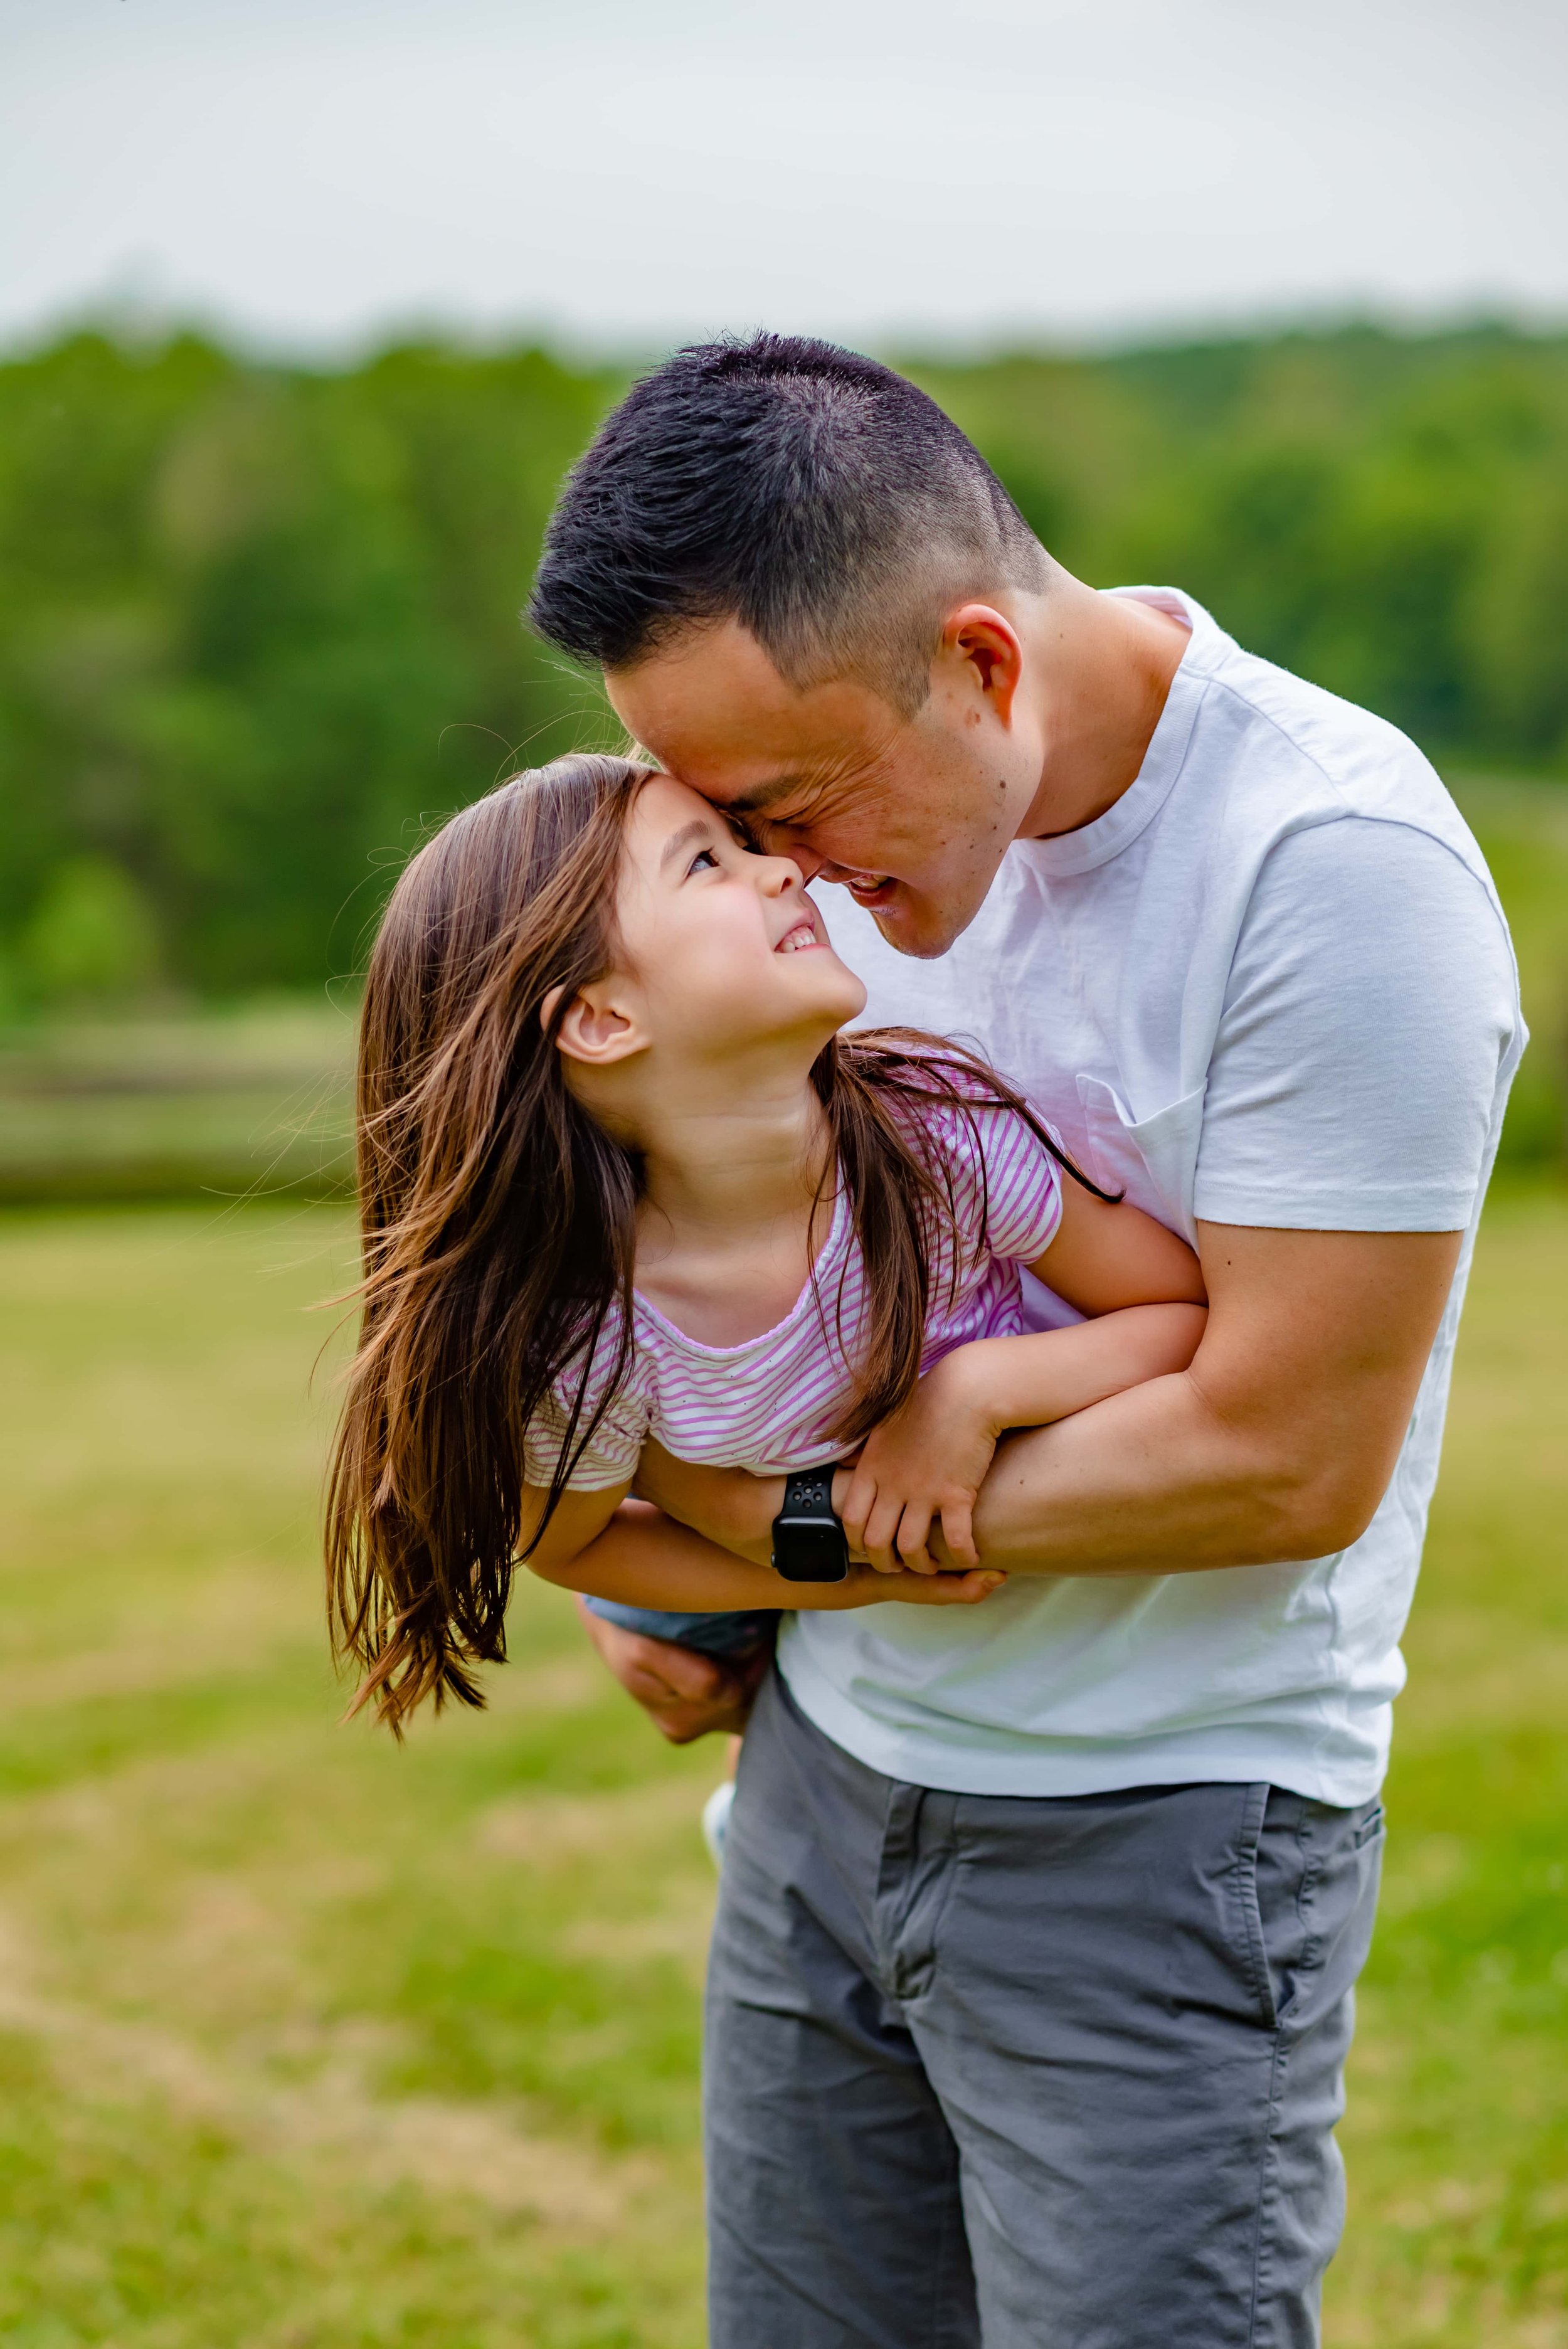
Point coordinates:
[[1277, 1443], [1140, 1484], [1152, 1481]]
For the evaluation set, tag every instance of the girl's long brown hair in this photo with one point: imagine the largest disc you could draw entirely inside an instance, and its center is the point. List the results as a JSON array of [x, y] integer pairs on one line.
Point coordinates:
[[498, 1220]]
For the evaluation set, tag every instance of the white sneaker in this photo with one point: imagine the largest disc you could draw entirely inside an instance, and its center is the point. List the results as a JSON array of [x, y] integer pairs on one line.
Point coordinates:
[[716, 1814]]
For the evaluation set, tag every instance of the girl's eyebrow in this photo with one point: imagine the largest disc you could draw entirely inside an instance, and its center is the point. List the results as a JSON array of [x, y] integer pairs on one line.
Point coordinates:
[[701, 827]]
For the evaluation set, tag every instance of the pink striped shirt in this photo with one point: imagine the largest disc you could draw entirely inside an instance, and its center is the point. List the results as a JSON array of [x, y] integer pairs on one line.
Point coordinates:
[[771, 1403]]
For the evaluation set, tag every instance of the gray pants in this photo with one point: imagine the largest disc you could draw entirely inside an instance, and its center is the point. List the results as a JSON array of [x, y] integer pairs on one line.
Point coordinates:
[[1031, 2073]]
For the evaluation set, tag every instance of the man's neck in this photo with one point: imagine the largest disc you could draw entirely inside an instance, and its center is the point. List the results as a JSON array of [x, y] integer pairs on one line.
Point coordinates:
[[1105, 666]]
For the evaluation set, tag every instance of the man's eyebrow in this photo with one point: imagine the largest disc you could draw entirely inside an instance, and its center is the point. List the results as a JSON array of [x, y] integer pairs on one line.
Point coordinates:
[[701, 827]]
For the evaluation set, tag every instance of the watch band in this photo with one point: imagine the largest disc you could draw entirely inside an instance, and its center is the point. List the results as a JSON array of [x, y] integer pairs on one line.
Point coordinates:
[[809, 1543]]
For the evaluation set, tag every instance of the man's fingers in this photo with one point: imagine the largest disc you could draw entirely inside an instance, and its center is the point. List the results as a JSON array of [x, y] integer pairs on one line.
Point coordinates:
[[652, 1663], [948, 1589], [977, 1584], [685, 1694], [967, 1589], [682, 1724]]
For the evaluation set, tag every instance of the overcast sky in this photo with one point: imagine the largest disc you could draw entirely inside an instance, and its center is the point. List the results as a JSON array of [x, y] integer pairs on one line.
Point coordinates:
[[630, 171]]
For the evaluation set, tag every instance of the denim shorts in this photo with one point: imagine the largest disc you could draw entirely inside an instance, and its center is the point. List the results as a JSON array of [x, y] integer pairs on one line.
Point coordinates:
[[711, 1635]]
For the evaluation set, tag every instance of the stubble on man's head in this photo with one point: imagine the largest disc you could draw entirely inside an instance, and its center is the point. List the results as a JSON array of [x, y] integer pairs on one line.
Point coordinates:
[[821, 501]]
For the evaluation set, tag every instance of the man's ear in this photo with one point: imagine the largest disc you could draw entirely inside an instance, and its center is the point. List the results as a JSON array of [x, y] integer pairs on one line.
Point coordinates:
[[987, 644], [594, 1029]]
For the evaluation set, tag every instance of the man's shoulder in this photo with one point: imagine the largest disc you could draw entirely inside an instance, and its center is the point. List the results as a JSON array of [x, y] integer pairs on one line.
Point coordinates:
[[1267, 717], [1274, 754]]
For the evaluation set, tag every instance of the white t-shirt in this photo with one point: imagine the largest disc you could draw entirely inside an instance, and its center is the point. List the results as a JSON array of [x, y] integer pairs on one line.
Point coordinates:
[[1271, 986]]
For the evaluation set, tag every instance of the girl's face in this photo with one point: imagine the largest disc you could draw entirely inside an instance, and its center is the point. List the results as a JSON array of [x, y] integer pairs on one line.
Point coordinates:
[[720, 949]]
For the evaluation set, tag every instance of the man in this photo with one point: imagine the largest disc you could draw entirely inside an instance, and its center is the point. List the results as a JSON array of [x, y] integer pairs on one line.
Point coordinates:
[[1032, 1975]]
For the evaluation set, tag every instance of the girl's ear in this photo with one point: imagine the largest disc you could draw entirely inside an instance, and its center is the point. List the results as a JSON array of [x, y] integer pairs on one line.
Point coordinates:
[[593, 1030]]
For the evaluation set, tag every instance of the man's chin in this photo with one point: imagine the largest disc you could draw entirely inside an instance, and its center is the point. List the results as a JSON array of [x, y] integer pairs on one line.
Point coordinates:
[[915, 926]]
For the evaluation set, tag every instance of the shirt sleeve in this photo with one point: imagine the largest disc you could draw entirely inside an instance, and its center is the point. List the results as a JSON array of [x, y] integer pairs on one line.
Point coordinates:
[[1022, 1189], [613, 1451], [1372, 1005]]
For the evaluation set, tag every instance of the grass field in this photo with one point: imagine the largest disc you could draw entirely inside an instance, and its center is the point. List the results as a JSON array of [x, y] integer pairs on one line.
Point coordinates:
[[309, 2043]]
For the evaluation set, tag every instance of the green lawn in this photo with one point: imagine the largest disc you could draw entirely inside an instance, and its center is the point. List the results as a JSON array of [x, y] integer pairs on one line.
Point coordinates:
[[309, 2043]]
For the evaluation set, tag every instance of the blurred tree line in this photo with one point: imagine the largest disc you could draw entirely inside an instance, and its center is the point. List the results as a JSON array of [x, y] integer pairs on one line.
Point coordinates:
[[257, 622]]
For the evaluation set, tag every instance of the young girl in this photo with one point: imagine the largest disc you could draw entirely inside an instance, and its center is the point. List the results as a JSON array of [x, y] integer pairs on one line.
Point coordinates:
[[623, 1178]]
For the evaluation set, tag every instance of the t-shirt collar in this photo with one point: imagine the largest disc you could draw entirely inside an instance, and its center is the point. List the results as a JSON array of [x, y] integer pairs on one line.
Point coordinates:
[[1094, 844]]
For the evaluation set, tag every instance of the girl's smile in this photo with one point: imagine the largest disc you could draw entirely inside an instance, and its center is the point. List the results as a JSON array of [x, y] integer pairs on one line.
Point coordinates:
[[796, 940]]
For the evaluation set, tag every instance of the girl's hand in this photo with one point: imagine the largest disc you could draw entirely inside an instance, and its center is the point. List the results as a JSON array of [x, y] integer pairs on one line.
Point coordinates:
[[928, 1461], [867, 1585]]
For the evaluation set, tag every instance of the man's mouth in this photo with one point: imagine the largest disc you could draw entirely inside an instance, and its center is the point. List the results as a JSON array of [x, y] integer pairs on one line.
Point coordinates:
[[873, 890], [796, 940]]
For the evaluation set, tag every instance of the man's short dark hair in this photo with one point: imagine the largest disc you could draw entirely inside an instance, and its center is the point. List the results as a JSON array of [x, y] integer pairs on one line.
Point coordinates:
[[814, 495]]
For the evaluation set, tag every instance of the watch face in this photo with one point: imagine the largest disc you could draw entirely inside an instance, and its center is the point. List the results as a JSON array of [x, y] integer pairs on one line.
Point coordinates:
[[808, 1549]]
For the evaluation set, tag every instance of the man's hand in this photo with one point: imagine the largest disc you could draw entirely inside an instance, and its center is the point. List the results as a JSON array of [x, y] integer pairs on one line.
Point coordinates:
[[686, 1693], [686, 1696]]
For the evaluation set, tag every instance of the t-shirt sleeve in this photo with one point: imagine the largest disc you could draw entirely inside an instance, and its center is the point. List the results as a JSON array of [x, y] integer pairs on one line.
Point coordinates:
[[1371, 1004], [610, 1454], [1022, 1191]]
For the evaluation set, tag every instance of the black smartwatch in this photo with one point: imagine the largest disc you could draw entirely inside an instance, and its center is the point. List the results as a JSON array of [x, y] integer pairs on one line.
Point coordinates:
[[809, 1543]]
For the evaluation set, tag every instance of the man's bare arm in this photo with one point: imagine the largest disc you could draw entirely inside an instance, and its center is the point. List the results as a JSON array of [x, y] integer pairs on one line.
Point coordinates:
[[1276, 1444]]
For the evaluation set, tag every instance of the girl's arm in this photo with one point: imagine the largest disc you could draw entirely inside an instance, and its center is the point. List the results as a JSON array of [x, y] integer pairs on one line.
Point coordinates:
[[1105, 1255], [1143, 1290], [612, 1548]]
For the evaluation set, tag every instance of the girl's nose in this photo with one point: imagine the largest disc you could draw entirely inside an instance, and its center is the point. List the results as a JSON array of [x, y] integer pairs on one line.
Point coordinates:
[[779, 873]]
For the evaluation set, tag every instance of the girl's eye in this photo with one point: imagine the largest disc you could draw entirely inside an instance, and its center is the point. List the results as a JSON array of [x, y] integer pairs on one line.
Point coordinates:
[[704, 856]]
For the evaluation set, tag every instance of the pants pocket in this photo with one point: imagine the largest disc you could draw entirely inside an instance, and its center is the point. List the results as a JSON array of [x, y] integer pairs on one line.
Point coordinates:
[[1371, 1826], [1247, 1909]]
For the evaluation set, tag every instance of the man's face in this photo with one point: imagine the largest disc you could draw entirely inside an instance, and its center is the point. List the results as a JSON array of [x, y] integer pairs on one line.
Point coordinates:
[[914, 814]]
